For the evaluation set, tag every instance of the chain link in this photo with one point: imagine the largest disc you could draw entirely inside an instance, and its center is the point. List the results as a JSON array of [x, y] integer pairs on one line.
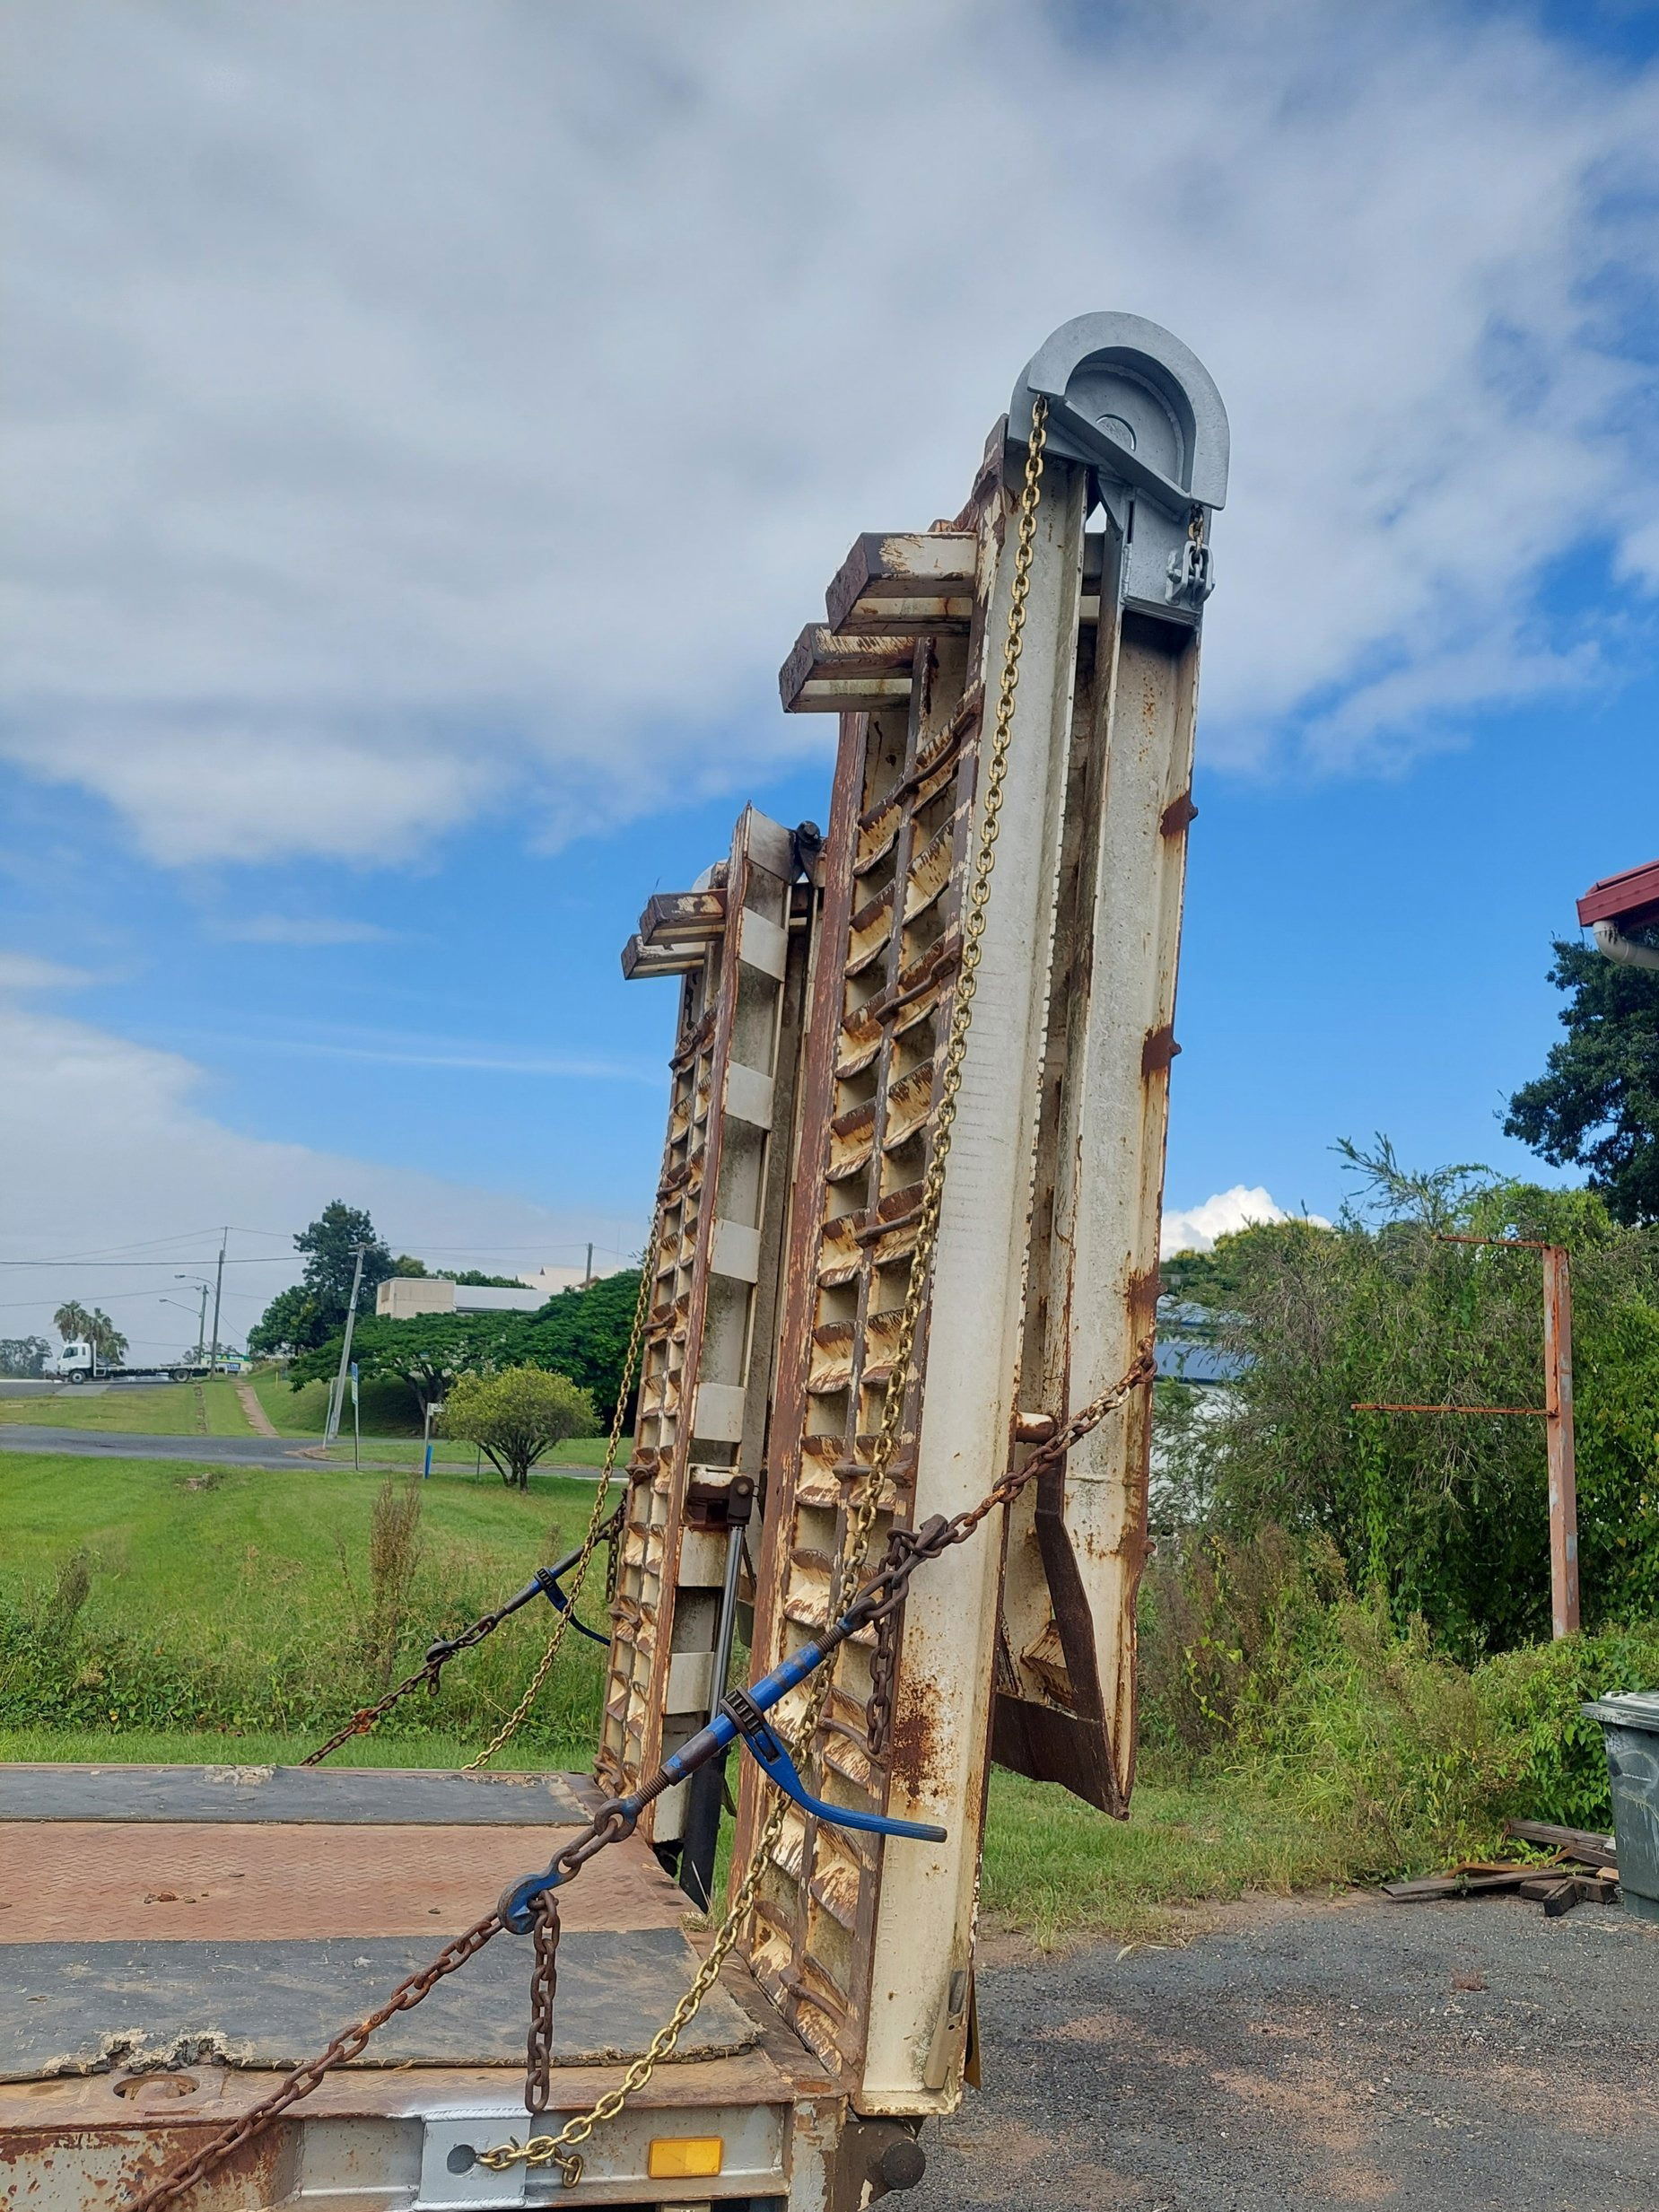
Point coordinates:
[[596, 1520], [345, 2047], [543, 1988]]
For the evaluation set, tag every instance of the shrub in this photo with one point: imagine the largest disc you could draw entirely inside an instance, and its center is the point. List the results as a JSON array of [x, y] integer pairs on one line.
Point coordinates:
[[1531, 1698], [517, 1415]]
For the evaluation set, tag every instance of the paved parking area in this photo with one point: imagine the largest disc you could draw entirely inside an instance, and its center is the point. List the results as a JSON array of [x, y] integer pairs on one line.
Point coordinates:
[[1447, 2058]]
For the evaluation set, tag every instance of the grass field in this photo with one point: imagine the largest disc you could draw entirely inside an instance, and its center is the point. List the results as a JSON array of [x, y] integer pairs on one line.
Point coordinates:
[[224, 1595], [210, 1408]]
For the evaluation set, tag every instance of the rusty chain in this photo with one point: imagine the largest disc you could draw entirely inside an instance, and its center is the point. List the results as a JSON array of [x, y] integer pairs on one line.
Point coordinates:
[[877, 1599], [344, 2047], [543, 1988]]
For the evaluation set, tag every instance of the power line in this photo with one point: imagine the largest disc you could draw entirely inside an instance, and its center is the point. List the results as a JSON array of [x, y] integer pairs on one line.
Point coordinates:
[[271, 1259]]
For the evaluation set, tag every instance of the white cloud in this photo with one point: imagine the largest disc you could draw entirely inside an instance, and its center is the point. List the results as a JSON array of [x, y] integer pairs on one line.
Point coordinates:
[[1195, 1228], [303, 930], [110, 1157], [21, 971], [422, 414]]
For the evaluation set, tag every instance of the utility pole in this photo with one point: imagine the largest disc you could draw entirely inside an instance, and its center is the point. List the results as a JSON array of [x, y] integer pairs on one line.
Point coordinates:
[[1558, 1440], [224, 1238], [338, 1399], [196, 1283], [587, 1273]]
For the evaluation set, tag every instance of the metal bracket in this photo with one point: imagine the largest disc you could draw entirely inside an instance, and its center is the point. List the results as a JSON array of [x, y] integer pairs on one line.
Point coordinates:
[[1128, 400]]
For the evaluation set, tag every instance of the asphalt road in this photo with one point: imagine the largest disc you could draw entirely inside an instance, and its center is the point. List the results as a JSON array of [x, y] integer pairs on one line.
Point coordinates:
[[1447, 2058], [107, 1444]]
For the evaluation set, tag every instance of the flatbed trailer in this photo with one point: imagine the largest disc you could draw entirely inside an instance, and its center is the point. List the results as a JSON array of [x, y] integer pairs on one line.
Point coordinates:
[[844, 1347], [175, 1938]]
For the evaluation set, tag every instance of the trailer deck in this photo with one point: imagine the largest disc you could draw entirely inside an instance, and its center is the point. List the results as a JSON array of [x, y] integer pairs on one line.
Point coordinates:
[[171, 1939]]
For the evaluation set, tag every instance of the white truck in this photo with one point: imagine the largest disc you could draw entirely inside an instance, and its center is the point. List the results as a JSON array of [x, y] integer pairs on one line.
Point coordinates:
[[897, 1250], [78, 1362]]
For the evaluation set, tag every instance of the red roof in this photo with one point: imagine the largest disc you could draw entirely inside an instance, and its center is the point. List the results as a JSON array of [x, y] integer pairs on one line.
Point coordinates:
[[1631, 899]]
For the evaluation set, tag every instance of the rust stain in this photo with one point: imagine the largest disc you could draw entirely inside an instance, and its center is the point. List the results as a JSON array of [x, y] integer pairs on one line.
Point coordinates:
[[1177, 816], [1142, 1301], [1158, 1050], [915, 1751]]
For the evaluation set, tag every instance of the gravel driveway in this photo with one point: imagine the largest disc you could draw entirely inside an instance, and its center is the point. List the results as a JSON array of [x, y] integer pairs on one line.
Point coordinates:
[[1445, 2058]]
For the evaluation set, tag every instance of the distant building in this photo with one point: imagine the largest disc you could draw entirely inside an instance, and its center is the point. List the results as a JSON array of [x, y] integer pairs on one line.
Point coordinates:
[[551, 1281], [400, 1298]]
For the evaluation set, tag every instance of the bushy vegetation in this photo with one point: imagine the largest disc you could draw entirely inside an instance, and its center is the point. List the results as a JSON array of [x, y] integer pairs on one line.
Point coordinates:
[[1259, 1662], [1444, 1515], [515, 1416], [1350, 1611]]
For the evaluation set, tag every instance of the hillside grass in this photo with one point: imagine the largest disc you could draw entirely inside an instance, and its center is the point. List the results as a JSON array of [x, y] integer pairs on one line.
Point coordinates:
[[204, 1596], [209, 1408]]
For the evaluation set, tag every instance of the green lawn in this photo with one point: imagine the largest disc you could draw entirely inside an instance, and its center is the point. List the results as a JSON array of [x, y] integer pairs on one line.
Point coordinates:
[[208, 1408], [191, 1547], [242, 1597], [1056, 1868]]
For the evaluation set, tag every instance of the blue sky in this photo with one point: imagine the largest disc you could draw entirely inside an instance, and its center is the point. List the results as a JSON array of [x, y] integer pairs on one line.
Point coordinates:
[[407, 547]]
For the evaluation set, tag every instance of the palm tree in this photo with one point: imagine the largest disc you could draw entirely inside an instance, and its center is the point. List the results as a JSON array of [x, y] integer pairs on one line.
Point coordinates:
[[108, 1340], [72, 1322]]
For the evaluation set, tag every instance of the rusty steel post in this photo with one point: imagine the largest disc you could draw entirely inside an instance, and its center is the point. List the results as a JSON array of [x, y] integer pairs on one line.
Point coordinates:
[[1558, 1433]]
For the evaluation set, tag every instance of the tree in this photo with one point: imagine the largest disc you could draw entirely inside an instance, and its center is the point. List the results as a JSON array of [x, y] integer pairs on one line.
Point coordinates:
[[427, 1352], [517, 1415], [330, 1244], [107, 1341], [73, 1322], [287, 1325], [308, 1314], [24, 1356], [1596, 1104], [582, 1334]]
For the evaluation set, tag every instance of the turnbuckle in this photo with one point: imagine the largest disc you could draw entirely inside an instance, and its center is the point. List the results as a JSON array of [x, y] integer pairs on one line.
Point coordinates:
[[763, 1740]]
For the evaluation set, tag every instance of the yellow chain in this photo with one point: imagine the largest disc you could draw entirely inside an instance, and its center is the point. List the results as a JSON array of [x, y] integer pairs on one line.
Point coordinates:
[[559, 2150], [852, 1561], [596, 1519]]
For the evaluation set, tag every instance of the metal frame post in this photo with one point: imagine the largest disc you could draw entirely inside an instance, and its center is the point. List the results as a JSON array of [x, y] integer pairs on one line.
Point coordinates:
[[1557, 1412], [1558, 1437]]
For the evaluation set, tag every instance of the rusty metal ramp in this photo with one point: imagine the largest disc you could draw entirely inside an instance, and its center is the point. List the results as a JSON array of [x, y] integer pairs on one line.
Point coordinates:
[[245, 1915]]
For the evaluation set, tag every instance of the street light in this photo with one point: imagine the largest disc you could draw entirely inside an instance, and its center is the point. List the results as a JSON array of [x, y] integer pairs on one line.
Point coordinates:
[[205, 1288], [183, 1308]]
